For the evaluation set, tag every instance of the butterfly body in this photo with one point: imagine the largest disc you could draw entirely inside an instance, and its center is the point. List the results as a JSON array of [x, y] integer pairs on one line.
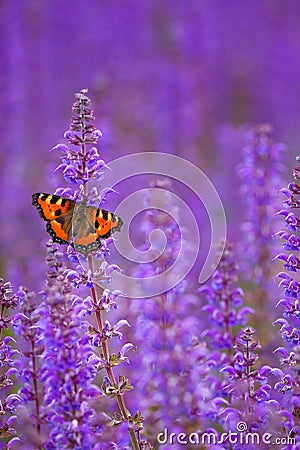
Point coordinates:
[[78, 224]]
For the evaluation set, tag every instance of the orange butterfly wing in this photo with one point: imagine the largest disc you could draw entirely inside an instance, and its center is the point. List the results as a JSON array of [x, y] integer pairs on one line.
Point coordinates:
[[58, 213], [106, 223]]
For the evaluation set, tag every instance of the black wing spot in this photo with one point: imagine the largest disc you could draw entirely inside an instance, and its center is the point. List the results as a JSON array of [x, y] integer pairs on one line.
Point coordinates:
[[104, 214], [97, 224], [63, 202], [57, 212], [44, 197], [54, 199]]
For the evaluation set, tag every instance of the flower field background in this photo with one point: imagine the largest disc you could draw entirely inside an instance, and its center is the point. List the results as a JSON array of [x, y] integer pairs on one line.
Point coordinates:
[[83, 366]]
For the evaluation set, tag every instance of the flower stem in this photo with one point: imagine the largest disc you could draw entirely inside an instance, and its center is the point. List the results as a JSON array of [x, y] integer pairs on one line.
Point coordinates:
[[1, 318], [105, 349], [35, 387]]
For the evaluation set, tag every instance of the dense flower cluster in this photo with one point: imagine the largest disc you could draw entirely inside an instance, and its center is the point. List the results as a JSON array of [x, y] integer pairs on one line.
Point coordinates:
[[183, 78], [201, 369]]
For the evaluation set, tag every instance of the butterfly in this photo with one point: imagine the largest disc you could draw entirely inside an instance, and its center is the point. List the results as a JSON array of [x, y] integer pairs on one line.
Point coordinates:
[[78, 224]]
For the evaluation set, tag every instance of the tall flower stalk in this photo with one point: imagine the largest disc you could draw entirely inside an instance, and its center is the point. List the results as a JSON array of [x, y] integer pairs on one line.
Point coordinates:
[[30, 413], [289, 383], [224, 306], [261, 174], [82, 166], [162, 374], [8, 401], [247, 386]]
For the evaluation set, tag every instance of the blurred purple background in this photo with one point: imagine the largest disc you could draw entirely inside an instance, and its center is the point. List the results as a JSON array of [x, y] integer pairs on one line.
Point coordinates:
[[186, 78]]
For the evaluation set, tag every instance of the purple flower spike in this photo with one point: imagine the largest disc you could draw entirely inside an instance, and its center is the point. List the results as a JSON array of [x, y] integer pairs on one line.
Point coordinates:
[[8, 360], [261, 175], [289, 379], [78, 166], [225, 302], [249, 388]]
